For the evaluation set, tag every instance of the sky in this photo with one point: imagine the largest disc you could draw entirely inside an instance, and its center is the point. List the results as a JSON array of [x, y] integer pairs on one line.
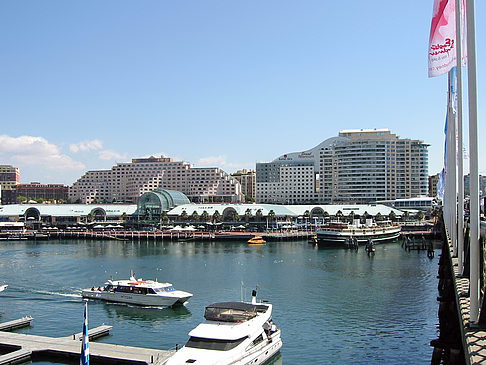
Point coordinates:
[[87, 84]]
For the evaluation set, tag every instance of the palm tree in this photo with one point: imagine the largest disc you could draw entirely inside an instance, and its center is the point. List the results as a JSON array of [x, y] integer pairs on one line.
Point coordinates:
[[216, 216], [194, 216], [164, 217], [259, 214], [234, 215], [205, 216], [248, 215]]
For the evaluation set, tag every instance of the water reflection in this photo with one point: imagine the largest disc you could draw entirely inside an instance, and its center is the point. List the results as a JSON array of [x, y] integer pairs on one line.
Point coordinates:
[[119, 312]]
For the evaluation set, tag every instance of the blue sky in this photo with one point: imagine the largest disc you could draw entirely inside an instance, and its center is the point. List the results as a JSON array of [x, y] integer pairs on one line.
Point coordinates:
[[86, 84]]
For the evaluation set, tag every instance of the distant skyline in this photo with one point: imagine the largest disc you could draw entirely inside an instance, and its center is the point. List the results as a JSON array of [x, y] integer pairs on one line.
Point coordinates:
[[84, 85]]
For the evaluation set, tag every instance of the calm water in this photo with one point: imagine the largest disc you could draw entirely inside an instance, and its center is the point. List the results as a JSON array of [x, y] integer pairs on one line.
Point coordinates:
[[334, 306]]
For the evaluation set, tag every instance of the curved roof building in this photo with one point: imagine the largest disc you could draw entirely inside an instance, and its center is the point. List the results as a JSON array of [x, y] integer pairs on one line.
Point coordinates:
[[158, 201]]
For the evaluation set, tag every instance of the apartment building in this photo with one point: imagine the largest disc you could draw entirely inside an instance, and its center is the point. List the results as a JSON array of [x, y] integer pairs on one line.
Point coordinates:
[[247, 180], [357, 166], [126, 182]]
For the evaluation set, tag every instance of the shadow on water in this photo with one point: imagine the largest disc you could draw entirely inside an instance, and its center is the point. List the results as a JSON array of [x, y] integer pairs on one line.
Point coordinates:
[[124, 312]]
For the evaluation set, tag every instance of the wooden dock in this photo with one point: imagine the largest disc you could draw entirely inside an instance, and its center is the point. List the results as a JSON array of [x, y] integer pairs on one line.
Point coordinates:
[[25, 347]]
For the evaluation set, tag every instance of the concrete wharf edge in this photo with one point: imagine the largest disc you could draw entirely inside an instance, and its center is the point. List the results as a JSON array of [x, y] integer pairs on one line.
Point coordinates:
[[474, 340], [25, 346]]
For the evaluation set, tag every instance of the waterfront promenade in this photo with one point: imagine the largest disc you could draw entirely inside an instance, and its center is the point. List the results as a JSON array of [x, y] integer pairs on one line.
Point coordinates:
[[158, 235], [459, 342]]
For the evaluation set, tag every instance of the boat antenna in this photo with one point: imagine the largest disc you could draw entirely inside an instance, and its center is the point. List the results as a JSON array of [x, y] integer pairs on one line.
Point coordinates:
[[241, 289]]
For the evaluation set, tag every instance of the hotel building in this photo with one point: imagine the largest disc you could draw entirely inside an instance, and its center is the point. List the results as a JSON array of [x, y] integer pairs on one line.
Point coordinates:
[[358, 166], [126, 182]]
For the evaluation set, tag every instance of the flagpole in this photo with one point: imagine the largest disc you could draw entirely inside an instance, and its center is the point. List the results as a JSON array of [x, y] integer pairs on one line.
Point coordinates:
[[460, 155], [473, 166]]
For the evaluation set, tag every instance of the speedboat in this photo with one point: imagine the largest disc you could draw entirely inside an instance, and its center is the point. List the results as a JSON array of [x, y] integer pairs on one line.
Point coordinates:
[[257, 240], [236, 333], [3, 287], [138, 291]]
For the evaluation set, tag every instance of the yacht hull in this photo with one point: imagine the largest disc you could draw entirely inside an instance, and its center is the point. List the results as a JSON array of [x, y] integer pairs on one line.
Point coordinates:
[[341, 239], [138, 299]]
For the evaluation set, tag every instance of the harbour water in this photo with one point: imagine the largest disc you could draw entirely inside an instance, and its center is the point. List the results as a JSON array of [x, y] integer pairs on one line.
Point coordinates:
[[333, 305]]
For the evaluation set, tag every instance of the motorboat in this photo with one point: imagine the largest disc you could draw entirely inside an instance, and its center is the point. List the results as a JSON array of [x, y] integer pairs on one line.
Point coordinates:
[[342, 234], [236, 333], [138, 291], [257, 240], [3, 287]]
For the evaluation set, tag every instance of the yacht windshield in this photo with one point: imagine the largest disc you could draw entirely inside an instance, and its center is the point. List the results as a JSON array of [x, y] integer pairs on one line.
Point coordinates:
[[164, 289], [213, 344]]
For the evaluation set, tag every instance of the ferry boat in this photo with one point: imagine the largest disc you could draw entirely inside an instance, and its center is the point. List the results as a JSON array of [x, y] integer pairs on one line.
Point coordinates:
[[341, 234], [138, 291], [257, 240], [236, 333]]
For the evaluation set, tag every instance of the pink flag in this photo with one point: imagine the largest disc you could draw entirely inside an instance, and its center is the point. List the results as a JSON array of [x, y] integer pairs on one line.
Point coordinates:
[[442, 42]]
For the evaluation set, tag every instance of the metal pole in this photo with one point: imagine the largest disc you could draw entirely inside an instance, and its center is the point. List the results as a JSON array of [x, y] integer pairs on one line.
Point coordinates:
[[473, 164], [460, 155], [453, 173]]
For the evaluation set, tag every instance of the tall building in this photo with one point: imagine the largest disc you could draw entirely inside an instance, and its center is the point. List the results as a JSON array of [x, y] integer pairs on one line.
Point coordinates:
[[9, 178], [482, 185], [247, 179], [433, 180], [126, 182], [358, 166]]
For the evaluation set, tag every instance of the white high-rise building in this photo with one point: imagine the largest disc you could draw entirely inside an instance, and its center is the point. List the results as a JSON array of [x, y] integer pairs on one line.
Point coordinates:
[[358, 166], [126, 182]]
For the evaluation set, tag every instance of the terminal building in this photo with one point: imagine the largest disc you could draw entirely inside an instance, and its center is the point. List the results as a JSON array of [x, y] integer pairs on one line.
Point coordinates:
[[126, 182], [357, 167]]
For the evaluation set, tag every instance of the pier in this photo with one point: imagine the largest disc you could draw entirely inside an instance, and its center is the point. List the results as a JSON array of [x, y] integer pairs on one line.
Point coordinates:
[[24, 347], [461, 341], [158, 235]]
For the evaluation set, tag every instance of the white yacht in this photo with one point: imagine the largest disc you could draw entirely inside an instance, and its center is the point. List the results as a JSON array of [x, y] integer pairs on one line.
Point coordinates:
[[3, 287], [235, 333], [138, 291]]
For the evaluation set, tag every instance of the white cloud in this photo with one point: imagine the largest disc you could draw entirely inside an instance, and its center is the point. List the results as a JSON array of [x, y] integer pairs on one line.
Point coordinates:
[[111, 155], [218, 161], [29, 150], [86, 146]]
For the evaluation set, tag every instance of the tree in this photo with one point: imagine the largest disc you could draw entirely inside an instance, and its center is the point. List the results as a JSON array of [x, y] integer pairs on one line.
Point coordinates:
[[194, 216], [21, 199], [61, 201], [351, 216], [249, 199], [205, 216], [259, 214], [216, 216], [164, 217], [40, 200], [95, 201], [234, 215], [248, 215]]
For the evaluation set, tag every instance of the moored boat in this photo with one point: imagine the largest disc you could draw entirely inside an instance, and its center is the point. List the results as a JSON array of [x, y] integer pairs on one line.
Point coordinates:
[[138, 291], [236, 333], [257, 240], [341, 234]]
